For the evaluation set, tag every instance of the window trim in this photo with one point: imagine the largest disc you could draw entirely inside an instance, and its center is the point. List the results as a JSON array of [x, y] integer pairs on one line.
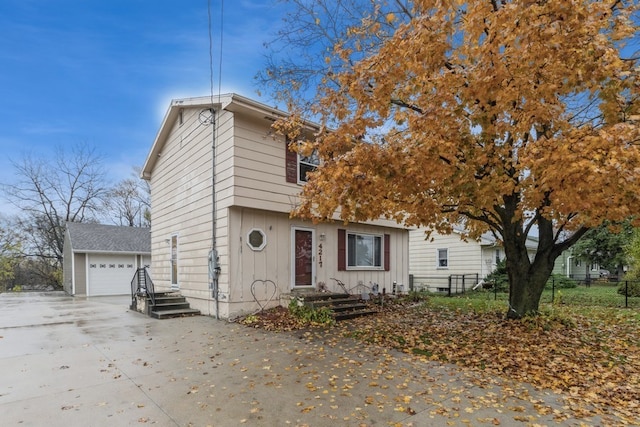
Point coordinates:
[[381, 250], [438, 259], [300, 163], [264, 240], [174, 261], [293, 164]]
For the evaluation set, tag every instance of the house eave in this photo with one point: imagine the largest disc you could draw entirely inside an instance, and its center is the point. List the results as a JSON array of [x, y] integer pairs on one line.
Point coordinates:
[[229, 102], [93, 251]]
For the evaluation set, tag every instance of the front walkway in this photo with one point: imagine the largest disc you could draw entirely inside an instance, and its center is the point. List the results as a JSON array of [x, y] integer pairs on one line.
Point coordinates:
[[68, 361]]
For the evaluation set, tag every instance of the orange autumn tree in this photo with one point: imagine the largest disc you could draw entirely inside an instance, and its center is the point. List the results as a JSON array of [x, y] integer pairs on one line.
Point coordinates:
[[514, 117]]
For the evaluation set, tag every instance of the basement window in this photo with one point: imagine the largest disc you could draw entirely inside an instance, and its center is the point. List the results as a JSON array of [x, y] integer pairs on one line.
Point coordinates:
[[256, 239]]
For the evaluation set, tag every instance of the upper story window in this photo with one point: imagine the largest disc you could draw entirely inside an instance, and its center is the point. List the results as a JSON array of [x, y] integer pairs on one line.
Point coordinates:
[[298, 166], [307, 164], [443, 258]]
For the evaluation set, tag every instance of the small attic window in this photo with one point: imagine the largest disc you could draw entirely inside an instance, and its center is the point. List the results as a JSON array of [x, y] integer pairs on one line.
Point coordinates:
[[256, 239]]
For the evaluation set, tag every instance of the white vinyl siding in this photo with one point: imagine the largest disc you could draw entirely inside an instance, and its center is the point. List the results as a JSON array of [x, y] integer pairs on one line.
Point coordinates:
[[462, 257], [259, 169], [181, 195]]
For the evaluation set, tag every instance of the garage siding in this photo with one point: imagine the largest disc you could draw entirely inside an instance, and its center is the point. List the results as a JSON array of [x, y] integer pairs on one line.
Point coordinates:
[[80, 274]]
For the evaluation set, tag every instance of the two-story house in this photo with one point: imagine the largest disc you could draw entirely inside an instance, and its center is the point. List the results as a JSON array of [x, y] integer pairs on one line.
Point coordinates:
[[222, 189]]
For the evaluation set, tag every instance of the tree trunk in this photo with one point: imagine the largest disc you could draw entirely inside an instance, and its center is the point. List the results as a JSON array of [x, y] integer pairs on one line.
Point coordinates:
[[525, 290], [527, 278]]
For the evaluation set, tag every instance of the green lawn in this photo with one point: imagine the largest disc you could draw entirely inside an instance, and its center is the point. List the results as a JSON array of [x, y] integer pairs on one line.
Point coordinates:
[[599, 294]]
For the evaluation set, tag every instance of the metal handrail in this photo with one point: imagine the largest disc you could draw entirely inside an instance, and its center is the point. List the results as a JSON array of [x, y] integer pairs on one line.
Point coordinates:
[[141, 284], [151, 292]]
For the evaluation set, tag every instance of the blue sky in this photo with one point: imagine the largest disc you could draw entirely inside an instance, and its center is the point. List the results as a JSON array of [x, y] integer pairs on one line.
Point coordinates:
[[103, 72]]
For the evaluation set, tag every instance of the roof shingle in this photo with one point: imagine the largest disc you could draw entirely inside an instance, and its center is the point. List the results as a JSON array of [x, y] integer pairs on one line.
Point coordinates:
[[108, 238]]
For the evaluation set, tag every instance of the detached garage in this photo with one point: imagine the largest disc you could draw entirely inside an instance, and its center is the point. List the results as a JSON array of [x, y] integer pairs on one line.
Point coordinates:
[[102, 259]]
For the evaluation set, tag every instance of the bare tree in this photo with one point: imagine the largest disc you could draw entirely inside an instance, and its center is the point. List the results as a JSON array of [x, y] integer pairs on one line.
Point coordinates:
[[128, 202], [9, 252], [300, 56], [68, 187]]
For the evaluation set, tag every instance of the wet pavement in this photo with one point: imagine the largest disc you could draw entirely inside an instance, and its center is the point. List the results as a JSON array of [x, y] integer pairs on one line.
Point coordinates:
[[92, 362]]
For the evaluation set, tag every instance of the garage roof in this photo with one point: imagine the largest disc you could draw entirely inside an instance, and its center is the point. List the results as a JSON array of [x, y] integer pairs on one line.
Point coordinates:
[[108, 238]]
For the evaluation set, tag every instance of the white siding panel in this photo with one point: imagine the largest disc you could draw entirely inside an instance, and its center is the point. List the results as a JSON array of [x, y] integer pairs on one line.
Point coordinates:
[[464, 257], [273, 263]]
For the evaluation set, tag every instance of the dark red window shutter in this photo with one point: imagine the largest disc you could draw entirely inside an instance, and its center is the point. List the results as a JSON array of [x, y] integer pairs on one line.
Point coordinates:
[[387, 252], [291, 164], [342, 249]]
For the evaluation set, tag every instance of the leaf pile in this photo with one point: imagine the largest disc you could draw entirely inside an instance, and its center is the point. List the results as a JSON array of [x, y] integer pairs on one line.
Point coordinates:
[[274, 319], [592, 358]]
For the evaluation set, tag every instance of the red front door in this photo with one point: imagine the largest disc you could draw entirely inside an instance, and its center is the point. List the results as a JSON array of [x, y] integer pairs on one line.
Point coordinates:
[[303, 257]]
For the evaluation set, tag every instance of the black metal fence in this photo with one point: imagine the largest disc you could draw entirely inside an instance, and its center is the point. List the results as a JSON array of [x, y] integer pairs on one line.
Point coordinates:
[[559, 290], [604, 292], [447, 285]]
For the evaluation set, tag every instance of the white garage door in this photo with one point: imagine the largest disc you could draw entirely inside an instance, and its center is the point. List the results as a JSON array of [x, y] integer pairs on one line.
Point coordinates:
[[110, 274]]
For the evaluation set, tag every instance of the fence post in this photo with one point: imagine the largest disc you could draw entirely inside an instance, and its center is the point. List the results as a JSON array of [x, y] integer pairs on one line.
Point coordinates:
[[495, 290], [553, 289], [449, 285], [626, 294], [411, 282]]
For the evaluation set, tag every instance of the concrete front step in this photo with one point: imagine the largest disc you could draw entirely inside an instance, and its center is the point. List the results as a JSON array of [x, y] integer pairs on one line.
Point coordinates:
[[171, 304], [352, 314], [343, 306], [173, 299], [180, 312]]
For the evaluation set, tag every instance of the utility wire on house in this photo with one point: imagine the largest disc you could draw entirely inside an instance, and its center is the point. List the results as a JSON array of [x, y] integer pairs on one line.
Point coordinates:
[[214, 266]]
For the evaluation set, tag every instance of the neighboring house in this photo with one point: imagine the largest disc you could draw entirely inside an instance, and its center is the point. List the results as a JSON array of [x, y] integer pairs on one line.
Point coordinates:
[[102, 259], [441, 260], [235, 200], [573, 267]]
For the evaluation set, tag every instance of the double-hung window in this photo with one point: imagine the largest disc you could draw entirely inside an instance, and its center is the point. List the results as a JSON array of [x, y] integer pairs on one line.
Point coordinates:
[[307, 164], [364, 250], [297, 165], [443, 258]]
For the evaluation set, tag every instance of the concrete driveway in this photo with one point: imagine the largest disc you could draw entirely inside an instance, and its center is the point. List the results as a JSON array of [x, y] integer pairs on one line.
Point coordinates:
[[91, 362]]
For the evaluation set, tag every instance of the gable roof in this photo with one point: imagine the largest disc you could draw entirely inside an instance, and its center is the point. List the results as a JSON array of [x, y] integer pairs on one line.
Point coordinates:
[[229, 102], [108, 238], [488, 239]]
